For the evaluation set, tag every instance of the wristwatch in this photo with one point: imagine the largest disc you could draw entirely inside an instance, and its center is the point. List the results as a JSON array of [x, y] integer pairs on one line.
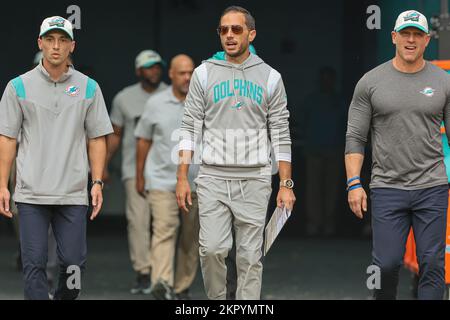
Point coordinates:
[[288, 183], [100, 182]]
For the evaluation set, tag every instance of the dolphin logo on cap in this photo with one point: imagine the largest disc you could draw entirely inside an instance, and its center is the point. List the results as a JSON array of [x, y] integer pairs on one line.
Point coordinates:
[[413, 16], [57, 22]]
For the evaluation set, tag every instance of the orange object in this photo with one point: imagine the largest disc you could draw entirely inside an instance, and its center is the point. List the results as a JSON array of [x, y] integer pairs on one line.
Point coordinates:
[[447, 248], [444, 64], [410, 258]]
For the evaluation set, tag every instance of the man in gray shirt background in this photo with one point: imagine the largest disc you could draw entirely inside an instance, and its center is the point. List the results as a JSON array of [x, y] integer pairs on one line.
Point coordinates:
[[56, 109], [127, 108], [403, 102], [156, 166]]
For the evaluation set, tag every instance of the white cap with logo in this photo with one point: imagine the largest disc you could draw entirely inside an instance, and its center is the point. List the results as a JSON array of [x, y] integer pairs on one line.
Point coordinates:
[[56, 23], [148, 58], [411, 18]]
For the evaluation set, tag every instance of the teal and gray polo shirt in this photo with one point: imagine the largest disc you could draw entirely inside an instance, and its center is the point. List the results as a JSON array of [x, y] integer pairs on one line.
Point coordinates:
[[54, 119], [160, 123]]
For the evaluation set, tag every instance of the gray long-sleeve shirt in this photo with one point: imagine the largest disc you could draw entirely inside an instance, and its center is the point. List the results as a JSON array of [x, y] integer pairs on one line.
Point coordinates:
[[404, 112]]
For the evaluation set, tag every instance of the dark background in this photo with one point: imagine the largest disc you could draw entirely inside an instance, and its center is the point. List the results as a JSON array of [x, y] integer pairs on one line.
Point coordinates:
[[296, 38]]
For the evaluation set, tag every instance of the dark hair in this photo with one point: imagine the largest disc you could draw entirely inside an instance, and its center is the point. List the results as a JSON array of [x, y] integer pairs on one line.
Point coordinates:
[[249, 20]]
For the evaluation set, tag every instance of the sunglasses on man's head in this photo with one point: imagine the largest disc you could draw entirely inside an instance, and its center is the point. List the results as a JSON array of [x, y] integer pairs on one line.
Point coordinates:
[[235, 28]]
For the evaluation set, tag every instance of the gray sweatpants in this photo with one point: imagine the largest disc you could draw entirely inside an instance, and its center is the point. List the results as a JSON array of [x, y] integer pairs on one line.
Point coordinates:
[[223, 205]]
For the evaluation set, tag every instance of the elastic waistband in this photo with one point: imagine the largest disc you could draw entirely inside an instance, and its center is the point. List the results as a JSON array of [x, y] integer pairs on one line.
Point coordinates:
[[236, 173]]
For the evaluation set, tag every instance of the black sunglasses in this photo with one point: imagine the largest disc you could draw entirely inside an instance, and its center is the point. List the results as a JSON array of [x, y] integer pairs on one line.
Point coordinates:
[[235, 28]]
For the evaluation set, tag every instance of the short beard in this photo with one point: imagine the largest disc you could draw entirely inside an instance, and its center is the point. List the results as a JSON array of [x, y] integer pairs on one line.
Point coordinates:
[[239, 53], [149, 83]]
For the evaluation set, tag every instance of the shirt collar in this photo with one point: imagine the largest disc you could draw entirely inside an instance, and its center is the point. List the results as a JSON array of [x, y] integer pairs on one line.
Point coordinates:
[[171, 97], [63, 77]]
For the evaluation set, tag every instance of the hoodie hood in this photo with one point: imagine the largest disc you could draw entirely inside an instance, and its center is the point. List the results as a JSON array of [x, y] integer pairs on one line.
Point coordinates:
[[219, 59], [220, 55]]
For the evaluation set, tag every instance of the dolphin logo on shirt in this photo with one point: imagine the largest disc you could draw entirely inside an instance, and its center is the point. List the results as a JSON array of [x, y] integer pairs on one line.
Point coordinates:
[[72, 91], [429, 92]]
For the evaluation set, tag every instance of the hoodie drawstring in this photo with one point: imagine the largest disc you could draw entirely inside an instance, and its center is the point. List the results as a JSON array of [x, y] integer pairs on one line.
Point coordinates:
[[236, 101], [229, 189], [242, 190]]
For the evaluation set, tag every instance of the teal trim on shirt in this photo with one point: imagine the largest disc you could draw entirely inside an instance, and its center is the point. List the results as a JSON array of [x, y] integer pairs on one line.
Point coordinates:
[[446, 148], [90, 88], [446, 155], [20, 88]]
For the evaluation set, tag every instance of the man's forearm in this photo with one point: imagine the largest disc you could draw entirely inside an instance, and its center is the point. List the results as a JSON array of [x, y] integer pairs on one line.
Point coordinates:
[[7, 155], [97, 156], [113, 142], [142, 148], [285, 170], [353, 164], [183, 166]]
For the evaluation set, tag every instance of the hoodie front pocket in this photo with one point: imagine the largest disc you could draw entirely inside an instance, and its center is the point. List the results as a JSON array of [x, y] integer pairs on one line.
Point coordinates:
[[236, 147]]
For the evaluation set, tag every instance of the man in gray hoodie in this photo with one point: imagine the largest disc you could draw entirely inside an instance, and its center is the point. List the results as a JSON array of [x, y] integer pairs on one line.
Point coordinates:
[[235, 111]]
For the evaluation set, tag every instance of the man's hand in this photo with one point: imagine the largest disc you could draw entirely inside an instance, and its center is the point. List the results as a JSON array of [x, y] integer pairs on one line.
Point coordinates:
[[4, 203], [183, 192], [97, 200], [140, 185], [286, 198], [357, 199]]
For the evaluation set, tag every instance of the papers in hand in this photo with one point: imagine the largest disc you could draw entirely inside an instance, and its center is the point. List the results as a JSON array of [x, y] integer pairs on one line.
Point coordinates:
[[273, 228]]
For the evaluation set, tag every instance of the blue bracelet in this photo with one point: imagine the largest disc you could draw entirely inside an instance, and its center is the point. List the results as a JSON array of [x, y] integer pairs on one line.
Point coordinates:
[[353, 179], [355, 186]]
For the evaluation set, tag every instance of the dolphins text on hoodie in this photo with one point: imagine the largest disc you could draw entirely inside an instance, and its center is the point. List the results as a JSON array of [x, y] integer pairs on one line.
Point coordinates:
[[234, 114]]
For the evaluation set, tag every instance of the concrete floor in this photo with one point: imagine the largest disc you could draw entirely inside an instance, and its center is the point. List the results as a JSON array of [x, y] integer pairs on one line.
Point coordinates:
[[295, 268]]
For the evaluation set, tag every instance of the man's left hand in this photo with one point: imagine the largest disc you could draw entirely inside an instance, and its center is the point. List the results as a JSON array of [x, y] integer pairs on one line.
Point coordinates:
[[286, 198], [97, 200]]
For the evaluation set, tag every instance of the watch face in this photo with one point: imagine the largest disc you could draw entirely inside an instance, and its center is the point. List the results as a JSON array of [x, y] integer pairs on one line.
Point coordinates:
[[99, 182], [288, 183]]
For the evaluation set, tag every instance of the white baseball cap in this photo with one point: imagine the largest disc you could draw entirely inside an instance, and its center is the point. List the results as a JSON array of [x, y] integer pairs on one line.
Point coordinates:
[[411, 18], [148, 58], [56, 22]]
